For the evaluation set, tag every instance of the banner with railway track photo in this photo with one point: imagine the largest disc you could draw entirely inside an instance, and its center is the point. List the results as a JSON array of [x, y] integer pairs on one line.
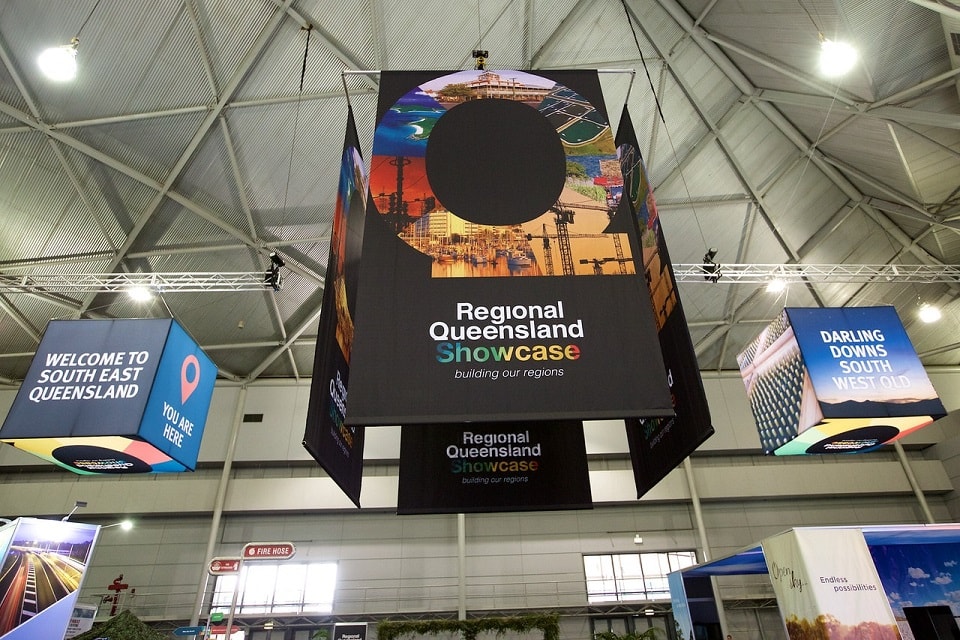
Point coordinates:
[[484, 467], [658, 445], [836, 380], [44, 562], [500, 280]]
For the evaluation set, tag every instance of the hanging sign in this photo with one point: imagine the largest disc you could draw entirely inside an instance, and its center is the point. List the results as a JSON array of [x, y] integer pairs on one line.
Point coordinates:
[[498, 273], [836, 381], [114, 396]]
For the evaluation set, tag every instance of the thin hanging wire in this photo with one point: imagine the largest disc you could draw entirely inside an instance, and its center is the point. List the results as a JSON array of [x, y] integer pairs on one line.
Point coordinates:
[[666, 129], [296, 124], [815, 25], [76, 38]]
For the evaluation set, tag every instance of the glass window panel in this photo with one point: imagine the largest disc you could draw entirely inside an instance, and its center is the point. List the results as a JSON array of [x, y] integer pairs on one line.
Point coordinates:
[[223, 593], [632, 576], [291, 579], [628, 565], [279, 588], [655, 564], [321, 585], [258, 588], [682, 559]]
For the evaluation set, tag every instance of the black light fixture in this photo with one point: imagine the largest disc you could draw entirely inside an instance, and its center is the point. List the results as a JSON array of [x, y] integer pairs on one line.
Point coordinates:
[[272, 277], [711, 270], [79, 504], [480, 56]]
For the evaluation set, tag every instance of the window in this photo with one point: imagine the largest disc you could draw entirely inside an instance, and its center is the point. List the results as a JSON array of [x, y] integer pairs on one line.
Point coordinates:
[[632, 576], [278, 588]]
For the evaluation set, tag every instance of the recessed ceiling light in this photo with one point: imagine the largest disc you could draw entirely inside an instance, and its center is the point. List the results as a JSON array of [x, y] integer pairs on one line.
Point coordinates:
[[836, 58]]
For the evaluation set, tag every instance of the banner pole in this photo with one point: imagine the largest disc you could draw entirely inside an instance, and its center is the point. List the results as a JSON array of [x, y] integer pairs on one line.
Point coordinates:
[[702, 533], [219, 502], [912, 479], [462, 566]]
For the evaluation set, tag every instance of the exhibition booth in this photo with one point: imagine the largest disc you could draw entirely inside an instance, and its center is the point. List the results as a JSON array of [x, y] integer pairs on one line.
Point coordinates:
[[884, 581]]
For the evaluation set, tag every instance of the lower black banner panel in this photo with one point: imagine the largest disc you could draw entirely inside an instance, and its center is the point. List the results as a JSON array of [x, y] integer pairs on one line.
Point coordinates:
[[482, 467]]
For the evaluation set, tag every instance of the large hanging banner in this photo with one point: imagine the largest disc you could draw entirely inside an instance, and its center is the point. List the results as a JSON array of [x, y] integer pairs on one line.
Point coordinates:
[[827, 586], [478, 467], [918, 581], [658, 445], [836, 381], [114, 396], [42, 567], [499, 280], [335, 445]]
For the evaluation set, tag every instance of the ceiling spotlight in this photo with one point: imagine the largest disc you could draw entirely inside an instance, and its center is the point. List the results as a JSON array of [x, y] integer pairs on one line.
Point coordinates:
[[929, 313], [776, 285], [140, 294], [60, 63], [126, 525], [836, 58]]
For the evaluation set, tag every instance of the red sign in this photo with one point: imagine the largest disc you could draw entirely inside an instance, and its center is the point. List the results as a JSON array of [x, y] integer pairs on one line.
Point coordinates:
[[224, 566], [268, 551]]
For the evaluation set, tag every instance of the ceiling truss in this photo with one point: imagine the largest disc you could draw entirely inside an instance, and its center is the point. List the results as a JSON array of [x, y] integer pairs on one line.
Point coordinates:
[[261, 281]]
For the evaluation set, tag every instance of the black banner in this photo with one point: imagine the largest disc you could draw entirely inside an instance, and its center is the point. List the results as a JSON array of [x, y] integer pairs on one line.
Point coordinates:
[[482, 467], [500, 280], [336, 446], [350, 631], [658, 445]]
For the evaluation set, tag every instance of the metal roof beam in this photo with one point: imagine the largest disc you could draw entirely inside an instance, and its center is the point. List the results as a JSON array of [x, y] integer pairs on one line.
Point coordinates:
[[251, 57], [902, 115]]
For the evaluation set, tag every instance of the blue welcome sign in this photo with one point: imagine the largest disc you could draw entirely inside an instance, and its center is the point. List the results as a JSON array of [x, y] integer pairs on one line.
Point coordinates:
[[114, 396]]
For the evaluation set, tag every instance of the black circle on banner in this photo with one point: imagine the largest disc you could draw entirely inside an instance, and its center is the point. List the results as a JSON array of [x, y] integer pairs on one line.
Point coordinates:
[[99, 459], [855, 440], [495, 162]]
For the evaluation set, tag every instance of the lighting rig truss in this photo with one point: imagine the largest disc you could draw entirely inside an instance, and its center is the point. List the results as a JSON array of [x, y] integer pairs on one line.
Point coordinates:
[[124, 282], [260, 280], [808, 273]]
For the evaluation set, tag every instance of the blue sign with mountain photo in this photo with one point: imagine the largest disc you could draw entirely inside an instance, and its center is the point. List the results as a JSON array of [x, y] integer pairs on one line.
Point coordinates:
[[836, 381]]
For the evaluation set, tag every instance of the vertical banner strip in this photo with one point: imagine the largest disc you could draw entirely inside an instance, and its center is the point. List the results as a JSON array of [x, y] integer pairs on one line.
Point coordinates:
[[493, 252], [827, 585], [338, 447], [657, 445]]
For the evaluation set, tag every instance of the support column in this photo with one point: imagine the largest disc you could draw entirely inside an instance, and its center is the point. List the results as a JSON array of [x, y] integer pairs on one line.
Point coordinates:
[[462, 566], [219, 502], [912, 479], [702, 534]]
